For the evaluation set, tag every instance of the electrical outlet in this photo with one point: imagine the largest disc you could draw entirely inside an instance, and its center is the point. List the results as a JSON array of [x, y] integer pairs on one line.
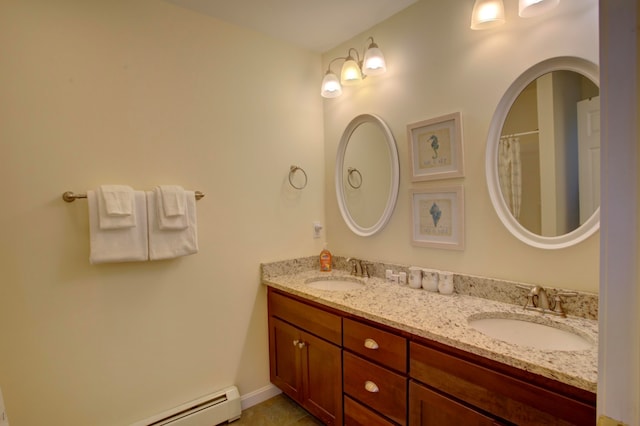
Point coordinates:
[[317, 227]]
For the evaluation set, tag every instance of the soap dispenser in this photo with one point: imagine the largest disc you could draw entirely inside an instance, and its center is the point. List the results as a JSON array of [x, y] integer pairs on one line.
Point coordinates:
[[325, 259]]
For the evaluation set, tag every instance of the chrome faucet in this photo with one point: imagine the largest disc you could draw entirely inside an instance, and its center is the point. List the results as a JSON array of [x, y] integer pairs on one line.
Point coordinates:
[[538, 300], [358, 267]]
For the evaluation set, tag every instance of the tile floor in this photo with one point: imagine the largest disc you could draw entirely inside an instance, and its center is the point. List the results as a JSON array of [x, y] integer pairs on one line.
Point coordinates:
[[277, 411]]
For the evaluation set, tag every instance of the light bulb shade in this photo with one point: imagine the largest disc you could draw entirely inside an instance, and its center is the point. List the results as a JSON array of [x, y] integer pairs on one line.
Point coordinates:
[[487, 14], [331, 87], [529, 8], [374, 63], [350, 72]]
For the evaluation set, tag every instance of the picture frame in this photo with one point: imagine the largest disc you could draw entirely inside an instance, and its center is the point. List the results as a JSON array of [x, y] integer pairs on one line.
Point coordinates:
[[437, 217], [436, 148]]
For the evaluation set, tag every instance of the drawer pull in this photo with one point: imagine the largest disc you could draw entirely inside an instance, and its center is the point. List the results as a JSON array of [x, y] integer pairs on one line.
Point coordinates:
[[371, 344], [371, 387]]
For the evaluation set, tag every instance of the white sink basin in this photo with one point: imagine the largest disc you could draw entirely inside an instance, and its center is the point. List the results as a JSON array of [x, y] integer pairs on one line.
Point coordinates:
[[524, 332], [335, 283]]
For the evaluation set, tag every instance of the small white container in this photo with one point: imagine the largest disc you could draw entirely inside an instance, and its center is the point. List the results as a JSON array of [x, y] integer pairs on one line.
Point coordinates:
[[445, 282], [430, 280], [415, 277]]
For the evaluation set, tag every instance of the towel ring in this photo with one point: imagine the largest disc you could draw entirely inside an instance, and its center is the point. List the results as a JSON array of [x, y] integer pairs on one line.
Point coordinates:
[[292, 172], [350, 172]]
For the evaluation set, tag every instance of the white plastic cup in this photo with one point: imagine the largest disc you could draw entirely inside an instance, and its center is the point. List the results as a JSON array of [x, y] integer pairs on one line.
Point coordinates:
[[415, 277], [430, 280], [445, 282]]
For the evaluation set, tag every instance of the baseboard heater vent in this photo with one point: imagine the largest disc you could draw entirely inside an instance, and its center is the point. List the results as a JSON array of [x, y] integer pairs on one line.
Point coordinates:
[[210, 410]]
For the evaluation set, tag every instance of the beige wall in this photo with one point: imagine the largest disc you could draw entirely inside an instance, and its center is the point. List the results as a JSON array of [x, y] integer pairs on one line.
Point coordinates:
[[141, 92], [437, 65]]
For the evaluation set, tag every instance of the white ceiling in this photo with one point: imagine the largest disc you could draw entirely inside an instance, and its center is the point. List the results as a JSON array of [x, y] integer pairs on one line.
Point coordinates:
[[317, 25]]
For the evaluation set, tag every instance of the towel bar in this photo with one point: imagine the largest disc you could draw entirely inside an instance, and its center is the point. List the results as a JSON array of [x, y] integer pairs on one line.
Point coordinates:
[[69, 196]]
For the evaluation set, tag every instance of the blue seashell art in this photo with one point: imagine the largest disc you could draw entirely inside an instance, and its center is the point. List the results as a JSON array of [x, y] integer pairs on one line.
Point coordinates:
[[435, 213]]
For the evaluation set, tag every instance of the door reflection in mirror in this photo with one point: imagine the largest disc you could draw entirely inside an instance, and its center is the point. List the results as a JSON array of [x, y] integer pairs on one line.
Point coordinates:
[[549, 154]]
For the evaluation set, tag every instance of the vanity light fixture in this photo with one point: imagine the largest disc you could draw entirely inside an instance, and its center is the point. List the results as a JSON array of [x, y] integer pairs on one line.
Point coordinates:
[[490, 13], [487, 14], [529, 8], [354, 70]]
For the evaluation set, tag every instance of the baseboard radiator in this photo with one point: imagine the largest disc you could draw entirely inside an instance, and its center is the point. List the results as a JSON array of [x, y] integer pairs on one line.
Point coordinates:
[[210, 410]]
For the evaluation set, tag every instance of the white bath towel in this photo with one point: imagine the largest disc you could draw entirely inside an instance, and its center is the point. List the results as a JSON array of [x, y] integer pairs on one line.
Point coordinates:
[[116, 207], [170, 201], [120, 244], [170, 243]]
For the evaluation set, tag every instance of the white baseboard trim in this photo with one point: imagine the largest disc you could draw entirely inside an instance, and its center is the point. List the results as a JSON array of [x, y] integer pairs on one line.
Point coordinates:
[[258, 396]]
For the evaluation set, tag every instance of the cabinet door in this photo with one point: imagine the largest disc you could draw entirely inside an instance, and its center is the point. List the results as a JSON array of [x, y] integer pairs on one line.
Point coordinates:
[[322, 379], [429, 408], [284, 358]]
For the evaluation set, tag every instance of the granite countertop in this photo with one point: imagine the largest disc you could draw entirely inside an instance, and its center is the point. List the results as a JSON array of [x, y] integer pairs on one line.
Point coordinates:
[[444, 319]]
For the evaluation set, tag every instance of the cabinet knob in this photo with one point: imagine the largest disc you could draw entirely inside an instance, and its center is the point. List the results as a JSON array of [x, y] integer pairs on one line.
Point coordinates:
[[371, 387], [295, 342], [301, 344], [370, 344]]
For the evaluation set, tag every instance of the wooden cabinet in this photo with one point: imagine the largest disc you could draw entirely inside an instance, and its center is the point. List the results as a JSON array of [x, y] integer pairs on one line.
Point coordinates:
[[306, 366], [374, 370], [351, 371], [468, 388]]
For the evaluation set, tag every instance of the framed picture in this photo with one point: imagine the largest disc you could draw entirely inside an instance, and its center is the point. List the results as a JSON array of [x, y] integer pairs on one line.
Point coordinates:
[[436, 148], [437, 217]]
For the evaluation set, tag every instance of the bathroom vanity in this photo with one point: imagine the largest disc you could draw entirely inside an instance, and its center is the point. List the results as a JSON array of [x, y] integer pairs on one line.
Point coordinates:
[[382, 355]]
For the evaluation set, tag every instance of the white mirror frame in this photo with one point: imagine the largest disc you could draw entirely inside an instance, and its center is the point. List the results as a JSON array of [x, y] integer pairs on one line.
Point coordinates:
[[565, 63], [394, 183]]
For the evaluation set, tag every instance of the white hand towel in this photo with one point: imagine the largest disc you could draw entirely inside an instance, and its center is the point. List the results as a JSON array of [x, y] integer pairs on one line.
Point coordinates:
[[170, 221], [116, 207], [118, 199], [121, 244], [173, 200], [169, 243]]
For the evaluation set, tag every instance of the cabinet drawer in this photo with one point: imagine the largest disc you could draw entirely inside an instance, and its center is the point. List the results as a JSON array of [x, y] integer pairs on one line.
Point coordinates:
[[356, 414], [507, 397], [429, 408], [375, 386], [316, 321], [378, 345]]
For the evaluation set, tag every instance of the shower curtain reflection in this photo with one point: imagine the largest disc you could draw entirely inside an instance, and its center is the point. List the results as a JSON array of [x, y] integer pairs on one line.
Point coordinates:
[[510, 173]]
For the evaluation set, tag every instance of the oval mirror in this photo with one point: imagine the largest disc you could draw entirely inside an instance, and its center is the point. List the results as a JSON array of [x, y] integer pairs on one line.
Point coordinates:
[[367, 174], [543, 154]]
